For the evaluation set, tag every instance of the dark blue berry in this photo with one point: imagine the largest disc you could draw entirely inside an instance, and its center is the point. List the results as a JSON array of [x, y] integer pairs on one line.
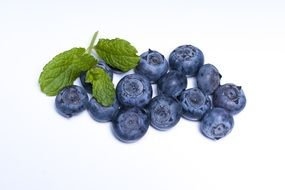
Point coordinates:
[[217, 123], [134, 90], [230, 97], [208, 78], [194, 103], [165, 112], [88, 86], [101, 113], [71, 100], [152, 65], [172, 83], [130, 124], [117, 71], [186, 59]]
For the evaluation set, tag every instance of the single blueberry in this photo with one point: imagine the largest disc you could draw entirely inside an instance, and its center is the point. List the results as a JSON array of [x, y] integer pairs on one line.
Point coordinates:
[[186, 59], [130, 124], [71, 100], [217, 123], [152, 65], [106, 68], [88, 86], [230, 97], [134, 90], [101, 113], [208, 78], [172, 83], [165, 112], [194, 103]]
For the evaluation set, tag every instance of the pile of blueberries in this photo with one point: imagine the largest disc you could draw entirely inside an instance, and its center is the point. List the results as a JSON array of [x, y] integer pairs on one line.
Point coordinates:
[[135, 109]]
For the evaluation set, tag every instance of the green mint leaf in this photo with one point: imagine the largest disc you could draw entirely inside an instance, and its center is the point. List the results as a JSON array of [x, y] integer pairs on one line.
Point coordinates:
[[102, 87], [63, 69], [117, 53]]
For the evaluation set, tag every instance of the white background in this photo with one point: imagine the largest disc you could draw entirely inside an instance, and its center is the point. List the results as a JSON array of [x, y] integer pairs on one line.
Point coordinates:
[[39, 149]]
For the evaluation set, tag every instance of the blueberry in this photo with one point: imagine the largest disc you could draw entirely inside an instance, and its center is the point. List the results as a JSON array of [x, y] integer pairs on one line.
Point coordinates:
[[101, 113], [130, 124], [117, 71], [134, 90], [71, 100], [102, 65], [172, 83], [86, 86], [217, 123], [152, 65], [208, 78], [186, 59], [230, 97], [165, 112], [194, 103]]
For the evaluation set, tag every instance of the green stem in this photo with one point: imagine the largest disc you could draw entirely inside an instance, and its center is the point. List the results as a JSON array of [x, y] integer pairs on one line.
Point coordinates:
[[89, 49]]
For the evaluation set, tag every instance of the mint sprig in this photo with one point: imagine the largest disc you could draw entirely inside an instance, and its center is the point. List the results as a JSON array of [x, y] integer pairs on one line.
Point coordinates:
[[65, 67]]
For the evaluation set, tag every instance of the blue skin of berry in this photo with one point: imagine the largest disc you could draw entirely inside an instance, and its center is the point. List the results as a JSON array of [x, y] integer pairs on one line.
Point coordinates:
[[71, 100], [152, 65], [186, 59], [165, 112], [88, 86], [230, 97], [101, 113], [117, 71], [217, 123], [130, 124], [134, 90], [194, 104], [208, 79], [172, 83]]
